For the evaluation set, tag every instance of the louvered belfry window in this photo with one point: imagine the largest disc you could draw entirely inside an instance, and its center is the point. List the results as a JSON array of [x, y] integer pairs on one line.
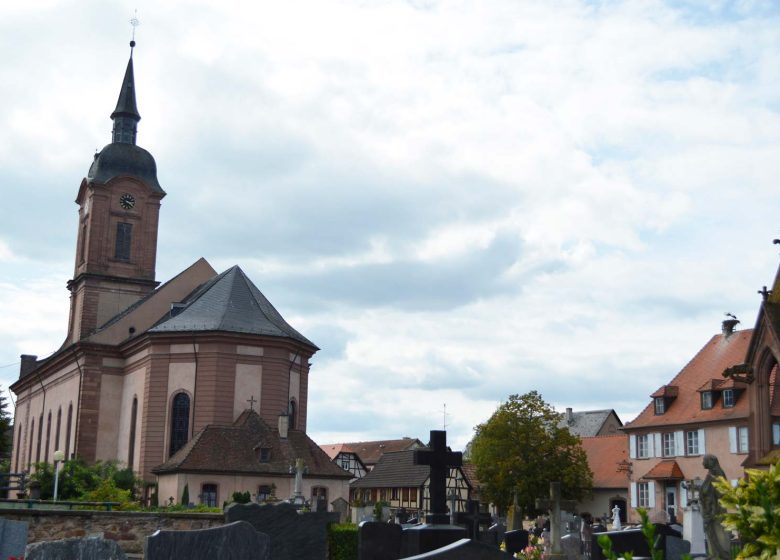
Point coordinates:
[[124, 237], [180, 421]]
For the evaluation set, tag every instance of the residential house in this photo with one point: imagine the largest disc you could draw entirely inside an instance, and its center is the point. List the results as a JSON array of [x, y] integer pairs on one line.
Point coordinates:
[[366, 454], [697, 412], [608, 461], [590, 423]]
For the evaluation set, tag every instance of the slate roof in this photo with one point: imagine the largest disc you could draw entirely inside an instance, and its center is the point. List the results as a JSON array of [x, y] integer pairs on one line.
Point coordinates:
[[394, 469], [230, 302], [215, 447], [586, 423], [370, 452], [604, 454], [708, 364]]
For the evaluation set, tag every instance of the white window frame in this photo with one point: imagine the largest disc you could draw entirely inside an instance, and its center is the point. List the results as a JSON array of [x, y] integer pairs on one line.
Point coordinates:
[[706, 400], [668, 444], [692, 442], [660, 405], [643, 446], [728, 398], [743, 443]]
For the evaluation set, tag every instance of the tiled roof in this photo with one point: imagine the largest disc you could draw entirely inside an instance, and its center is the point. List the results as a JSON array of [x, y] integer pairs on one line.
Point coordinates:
[[604, 456], [665, 470], [586, 423], [668, 391], [395, 469], [718, 354], [470, 472], [234, 449], [230, 302], [371, 451]]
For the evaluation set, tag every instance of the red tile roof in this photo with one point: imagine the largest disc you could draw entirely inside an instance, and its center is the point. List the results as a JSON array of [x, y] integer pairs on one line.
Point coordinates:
[[708, 364], [370, 451], [604, 456], [665, 470]]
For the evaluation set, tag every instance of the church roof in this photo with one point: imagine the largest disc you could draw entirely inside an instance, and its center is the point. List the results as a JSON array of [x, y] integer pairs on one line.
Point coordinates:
[[215, 447], [118, 160], [587, 423], [229, 302], [125, 104]]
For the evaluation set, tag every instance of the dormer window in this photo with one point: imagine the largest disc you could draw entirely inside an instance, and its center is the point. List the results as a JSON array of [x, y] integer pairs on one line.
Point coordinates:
[[264, 454], [728, 398], [660, 405], [706, 400]]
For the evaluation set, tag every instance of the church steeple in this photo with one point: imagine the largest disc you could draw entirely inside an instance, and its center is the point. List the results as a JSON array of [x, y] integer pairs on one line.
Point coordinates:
[[126, 115]]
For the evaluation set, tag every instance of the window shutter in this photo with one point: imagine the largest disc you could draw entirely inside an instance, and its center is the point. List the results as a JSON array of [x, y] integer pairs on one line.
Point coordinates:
[[651, 494], [632, 446], [733, 439], [633, 495], [679, 443], [683, 495], [702, 447], [659, 449]]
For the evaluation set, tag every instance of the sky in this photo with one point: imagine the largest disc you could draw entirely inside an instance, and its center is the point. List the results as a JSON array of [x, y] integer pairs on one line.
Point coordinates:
[[455, 200]]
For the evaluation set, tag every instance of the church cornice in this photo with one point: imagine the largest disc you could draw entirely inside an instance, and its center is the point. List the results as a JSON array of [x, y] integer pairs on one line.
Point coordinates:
[[127, 280]]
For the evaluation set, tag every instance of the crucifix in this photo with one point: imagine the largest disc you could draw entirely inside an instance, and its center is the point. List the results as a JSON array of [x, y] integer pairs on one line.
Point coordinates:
[[554, 505], [764, 293], [440, 459], [251, 400]]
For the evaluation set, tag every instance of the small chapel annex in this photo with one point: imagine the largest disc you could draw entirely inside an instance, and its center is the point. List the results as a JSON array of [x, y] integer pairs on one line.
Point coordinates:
[[150, 372]]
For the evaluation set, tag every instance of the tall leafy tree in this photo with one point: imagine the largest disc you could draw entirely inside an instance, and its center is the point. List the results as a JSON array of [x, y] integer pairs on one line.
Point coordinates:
[[521, 449], [6, 433]]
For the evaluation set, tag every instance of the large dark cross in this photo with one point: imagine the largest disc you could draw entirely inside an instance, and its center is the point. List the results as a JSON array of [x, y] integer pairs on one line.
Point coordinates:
[[472, 518], [440, 459], [554, 506]]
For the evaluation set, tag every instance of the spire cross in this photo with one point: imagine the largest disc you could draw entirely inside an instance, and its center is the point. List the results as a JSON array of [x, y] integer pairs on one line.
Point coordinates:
[[764, 293], [251, 400], [134, 22]]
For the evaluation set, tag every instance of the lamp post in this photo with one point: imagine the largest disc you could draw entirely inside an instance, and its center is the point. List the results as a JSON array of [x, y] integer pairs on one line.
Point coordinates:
[[59, 456]]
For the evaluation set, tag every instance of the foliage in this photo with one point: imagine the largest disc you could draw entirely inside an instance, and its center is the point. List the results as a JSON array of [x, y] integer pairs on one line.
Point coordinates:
[[342, 541], [6, 431], [521, 449], [241, 497], [754, 512], [378, 507], [107, 491], [77, 479], [648, 531], [531, 552], [185, 495], [197, 508]]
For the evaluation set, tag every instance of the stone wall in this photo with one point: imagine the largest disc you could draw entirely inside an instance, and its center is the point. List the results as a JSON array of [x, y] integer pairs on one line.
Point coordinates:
[[128, 528]]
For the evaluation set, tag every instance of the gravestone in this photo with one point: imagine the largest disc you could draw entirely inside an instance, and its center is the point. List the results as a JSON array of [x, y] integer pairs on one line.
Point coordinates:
[[571, 545], [498, 529], [341, 506], [464, 549], [436, 532], [676, 547], [293, 535], [516, 541], [13, 538], [235, 541], [554, 505], [90, 548], [472, 518], [379, 541], [321, 504]]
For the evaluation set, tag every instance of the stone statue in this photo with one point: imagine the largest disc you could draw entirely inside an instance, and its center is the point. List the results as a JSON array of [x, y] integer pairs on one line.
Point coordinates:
[[718, 542], [616, 526]]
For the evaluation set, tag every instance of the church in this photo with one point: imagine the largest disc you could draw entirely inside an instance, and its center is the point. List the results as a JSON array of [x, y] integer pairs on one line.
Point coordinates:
[[198, 381]]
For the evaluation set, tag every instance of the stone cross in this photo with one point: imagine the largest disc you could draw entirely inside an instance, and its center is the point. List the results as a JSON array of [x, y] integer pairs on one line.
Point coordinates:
[[298, 488], [251, 400], [554, 505], [440, 459], [473, 518]]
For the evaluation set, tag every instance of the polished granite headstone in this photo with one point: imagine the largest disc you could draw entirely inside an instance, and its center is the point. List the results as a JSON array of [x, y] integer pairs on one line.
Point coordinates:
[[89, 548], [235, 541]]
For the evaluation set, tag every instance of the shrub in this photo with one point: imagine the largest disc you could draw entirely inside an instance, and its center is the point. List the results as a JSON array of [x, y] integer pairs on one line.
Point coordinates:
[[754, 512], [342, 541], [241, 497]]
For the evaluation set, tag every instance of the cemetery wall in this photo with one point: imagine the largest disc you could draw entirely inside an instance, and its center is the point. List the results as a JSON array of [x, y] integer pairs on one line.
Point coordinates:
[[128, 528]]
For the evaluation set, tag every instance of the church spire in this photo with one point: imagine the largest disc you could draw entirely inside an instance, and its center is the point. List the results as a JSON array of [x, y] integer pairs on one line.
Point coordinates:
[[126, 115]]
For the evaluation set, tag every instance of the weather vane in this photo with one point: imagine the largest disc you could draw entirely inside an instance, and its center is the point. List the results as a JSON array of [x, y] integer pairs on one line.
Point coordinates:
[[134, 22]]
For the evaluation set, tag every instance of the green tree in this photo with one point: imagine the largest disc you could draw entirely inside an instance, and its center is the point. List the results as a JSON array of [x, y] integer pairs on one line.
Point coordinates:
[[521, 449], [6, 429]]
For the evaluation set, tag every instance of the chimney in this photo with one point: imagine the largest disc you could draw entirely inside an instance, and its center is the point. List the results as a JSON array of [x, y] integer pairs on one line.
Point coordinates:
[[28, 364], [284, 425], [728, 326], [569, 416]]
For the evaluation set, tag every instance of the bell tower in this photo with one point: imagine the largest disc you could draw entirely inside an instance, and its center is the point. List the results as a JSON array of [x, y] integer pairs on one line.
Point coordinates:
[[119, 205]]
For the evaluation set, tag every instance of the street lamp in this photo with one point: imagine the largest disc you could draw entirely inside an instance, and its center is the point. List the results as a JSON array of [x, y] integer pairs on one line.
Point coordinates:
[[59, 456]]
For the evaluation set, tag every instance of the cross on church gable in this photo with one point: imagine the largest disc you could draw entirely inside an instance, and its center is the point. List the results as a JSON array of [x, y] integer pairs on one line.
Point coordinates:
[[439, 458], [251, 400]]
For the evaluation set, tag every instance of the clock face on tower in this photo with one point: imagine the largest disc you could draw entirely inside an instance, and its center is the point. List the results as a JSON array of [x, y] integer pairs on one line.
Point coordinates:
[[127, 201]]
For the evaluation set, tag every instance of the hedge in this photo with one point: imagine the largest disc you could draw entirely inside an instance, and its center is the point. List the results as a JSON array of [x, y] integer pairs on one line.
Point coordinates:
[[343, 541]]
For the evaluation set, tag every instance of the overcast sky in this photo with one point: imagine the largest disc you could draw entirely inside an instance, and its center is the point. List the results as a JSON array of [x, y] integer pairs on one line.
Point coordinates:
[[456, 200]]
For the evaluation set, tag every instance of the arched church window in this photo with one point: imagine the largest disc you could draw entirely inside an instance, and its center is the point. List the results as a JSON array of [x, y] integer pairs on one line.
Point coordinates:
[[40, 438], [180, 421], [18, 448], [48, 439], [29, 449], [67, 431], [291, 412], [131, 443]]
